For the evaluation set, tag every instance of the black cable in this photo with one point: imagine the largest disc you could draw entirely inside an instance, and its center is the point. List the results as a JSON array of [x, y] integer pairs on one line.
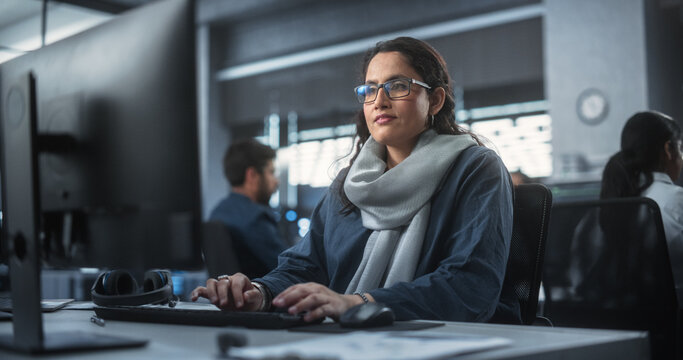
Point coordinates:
[[43, 23]]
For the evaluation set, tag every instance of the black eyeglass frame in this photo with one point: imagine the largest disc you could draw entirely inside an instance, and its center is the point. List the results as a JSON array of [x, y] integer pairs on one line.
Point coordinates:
[[386, 91]]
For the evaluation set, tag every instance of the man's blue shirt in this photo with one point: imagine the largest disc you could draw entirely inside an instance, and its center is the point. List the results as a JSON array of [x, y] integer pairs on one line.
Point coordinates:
[[253, 228]]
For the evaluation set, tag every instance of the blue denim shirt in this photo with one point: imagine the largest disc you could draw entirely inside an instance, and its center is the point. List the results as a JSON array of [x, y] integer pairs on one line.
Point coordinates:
[[254, 233], [460, 273]]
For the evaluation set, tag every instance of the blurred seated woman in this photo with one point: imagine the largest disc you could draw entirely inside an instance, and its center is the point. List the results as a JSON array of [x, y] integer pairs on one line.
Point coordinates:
[[420, 221], [649, 162]]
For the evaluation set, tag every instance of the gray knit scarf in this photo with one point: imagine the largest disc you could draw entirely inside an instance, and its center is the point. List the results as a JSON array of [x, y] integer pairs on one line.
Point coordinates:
[[395, 204]]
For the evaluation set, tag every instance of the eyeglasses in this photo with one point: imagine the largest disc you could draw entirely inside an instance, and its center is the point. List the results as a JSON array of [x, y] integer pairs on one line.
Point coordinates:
[[394, 89]]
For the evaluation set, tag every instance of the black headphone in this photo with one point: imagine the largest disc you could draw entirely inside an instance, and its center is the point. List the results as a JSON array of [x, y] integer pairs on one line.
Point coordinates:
[[119, 288]]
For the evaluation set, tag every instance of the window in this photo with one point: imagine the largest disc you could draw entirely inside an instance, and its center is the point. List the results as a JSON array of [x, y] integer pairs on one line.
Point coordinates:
[[315, 162], [523, 143], [519, 133]]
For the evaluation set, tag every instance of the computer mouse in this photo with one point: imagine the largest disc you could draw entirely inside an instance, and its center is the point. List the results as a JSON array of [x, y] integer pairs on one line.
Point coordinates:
[[367, 315]]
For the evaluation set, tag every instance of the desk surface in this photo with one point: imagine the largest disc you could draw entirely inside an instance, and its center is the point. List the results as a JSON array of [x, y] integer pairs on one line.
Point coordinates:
[[197, 342]]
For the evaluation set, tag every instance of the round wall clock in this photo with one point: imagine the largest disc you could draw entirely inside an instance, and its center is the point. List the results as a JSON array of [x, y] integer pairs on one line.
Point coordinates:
[[592, 106]]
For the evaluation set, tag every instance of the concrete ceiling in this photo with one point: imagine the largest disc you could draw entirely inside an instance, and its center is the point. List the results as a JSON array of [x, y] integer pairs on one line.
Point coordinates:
[[21, 20], [12, 11], [21, 25]]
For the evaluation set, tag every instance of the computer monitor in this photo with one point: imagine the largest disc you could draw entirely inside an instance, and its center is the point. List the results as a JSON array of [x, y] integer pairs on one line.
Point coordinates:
[[100, 154]]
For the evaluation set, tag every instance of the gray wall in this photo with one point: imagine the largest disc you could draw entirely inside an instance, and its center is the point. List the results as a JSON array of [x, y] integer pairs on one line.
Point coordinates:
[[628, 49], [592, 44]]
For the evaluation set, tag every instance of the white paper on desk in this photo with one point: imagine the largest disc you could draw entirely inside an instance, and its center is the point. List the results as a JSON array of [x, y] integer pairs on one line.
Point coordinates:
[[186, 305], [80, 305], [183, 305], [375, 345]]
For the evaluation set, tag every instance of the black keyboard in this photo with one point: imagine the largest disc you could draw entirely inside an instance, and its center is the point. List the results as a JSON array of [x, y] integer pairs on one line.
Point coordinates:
[[201, 317]]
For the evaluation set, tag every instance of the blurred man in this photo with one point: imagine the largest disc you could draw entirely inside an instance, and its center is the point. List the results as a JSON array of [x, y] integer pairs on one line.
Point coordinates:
[[248, 166]]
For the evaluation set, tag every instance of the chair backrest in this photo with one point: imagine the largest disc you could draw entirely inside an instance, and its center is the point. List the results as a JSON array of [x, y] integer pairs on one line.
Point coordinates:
[[529, 230], [218, 250], [607, 266]]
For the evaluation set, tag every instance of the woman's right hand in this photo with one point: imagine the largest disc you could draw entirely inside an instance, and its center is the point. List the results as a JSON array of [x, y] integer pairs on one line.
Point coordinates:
[[234, 292]]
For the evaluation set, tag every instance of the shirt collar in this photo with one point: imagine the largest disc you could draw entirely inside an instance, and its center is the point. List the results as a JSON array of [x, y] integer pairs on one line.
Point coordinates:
[[264, 208], [661, 177]]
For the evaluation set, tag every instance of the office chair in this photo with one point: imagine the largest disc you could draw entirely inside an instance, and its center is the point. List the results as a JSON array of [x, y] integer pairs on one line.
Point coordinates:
[[607, 266], [532, 204], [218, 250]]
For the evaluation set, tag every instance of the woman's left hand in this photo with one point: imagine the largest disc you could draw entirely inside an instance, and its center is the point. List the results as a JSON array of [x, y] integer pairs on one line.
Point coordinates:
[[316, 300]]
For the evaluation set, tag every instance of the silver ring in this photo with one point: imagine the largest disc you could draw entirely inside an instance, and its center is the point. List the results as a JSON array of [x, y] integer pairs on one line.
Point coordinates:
[[223, 277]]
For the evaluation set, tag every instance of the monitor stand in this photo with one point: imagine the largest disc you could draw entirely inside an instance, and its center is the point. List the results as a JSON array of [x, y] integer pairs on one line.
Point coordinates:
[[21, 205]]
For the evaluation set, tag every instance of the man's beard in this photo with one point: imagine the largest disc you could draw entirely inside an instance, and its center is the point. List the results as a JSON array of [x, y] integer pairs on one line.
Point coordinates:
[[263, 194]]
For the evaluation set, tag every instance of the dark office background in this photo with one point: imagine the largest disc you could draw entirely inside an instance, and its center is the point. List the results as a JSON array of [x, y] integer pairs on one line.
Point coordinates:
[[283, 71]]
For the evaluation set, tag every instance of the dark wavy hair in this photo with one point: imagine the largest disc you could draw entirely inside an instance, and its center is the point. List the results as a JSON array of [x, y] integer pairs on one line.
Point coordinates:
[[642, 143], [431, 66], [243, 154]]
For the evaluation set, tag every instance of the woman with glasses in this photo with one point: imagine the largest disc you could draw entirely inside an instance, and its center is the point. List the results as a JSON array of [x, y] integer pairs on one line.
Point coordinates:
[[421, 220], [649, 162]]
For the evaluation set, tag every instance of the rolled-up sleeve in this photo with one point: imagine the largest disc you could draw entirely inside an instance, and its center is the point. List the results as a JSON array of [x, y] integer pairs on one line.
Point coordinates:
[[305, 261]]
